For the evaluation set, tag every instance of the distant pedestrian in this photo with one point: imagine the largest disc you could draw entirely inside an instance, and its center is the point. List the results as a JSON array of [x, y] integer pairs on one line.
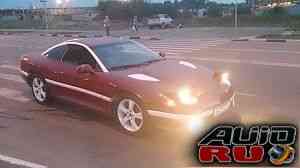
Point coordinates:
[[107, 24], [135, 24]]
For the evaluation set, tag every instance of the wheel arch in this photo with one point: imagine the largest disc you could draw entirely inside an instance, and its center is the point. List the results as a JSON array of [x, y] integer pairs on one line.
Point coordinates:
[[126, 93]]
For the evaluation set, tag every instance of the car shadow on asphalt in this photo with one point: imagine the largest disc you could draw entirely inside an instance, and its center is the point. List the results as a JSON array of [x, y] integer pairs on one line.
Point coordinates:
[[64, 109], [172, 142]]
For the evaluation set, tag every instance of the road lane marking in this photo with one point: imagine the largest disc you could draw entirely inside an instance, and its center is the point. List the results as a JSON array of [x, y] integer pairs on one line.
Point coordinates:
[[11, 67], [238, 61], [258, 50], [13, 95], [191, 41], [214, 43], [184, 45], [246, 94], [20, 162], [199, 48], [181, 51], [171, 53], [15, 78]]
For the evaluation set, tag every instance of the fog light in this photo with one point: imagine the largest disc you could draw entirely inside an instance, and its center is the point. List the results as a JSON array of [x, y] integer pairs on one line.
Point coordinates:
[[171, 103]]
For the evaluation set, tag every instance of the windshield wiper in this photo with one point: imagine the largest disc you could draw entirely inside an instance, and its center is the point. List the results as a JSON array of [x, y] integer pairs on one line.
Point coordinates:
[[152, 61], [126, 66], [136, 65]]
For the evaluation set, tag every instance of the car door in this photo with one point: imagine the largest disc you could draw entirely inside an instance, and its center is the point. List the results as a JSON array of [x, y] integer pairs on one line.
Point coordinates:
[[90, 89], [52, 67]]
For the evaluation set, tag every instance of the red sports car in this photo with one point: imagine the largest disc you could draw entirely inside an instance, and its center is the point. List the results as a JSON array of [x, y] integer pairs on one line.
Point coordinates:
[[125, 78]]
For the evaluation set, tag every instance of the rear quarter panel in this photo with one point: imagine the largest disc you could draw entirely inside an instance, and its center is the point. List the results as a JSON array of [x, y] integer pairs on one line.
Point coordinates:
[[30, 63]]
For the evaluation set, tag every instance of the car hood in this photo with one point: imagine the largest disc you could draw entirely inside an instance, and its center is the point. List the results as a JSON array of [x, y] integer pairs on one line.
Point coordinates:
[[170, 75]]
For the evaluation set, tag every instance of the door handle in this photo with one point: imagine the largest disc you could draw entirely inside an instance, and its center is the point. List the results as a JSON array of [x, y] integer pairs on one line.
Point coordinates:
[[85, 79], [59, 73]]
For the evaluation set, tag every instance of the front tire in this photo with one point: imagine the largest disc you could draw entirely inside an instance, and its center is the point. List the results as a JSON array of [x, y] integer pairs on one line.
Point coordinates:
[[40, 90], [130, 115]]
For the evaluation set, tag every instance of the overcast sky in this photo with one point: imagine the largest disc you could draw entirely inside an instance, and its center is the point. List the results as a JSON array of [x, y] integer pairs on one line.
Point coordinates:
[[74, 3], [28, 3]]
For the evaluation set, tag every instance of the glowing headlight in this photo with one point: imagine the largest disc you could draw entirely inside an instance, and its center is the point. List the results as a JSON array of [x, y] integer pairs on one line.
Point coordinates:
[[225, 79], [185, 96], [195, 124]]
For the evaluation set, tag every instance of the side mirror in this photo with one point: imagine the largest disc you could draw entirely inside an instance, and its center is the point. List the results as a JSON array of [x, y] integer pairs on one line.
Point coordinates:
[[85, 69], [162, 54]]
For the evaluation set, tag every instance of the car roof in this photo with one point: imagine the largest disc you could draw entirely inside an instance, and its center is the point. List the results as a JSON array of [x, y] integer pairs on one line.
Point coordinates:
[[92, 42]]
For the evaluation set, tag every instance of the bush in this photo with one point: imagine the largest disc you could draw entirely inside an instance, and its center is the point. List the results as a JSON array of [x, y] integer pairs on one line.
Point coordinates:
[[244, 10], [275, 12], [279, 11], [214, 11], [294, 23]]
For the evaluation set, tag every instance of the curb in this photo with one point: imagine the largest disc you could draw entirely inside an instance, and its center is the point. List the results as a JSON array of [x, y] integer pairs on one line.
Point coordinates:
[[240, 40], [276, 40], [267, 40], [86, 36], [70, 35], [95, 36], [254, 38], [135, 37], [143, 38]]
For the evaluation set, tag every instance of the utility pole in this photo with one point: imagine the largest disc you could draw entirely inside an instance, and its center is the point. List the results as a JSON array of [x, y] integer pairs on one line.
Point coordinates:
[[235, 15]]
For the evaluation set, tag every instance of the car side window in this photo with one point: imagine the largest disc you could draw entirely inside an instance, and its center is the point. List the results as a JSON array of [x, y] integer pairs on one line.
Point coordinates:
[[57, 53], [78, 55]]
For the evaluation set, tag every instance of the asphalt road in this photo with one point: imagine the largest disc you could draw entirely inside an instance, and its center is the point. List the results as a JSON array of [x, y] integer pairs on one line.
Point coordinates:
[[64, 135]]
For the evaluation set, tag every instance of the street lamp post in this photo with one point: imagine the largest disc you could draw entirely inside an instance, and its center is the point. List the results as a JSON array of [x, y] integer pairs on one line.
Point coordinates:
[[45, 2], [47, 24], [235, 15]]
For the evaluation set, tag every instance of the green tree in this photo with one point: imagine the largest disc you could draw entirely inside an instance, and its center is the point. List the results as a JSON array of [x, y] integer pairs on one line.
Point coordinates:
[[214, 9], [136, 8], [192, 4]]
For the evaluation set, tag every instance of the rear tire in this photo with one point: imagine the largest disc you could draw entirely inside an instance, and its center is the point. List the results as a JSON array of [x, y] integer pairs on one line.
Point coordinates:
[[40, 90]]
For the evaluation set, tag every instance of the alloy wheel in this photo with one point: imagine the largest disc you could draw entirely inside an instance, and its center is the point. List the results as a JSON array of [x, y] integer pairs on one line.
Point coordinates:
[[39, 89], [130, 115]]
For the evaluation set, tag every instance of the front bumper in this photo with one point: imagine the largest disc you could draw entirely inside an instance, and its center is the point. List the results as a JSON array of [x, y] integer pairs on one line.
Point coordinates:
[[214, 111]]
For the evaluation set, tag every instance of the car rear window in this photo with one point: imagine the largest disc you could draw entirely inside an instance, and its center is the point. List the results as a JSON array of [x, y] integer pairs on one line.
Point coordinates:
[[57, 53]]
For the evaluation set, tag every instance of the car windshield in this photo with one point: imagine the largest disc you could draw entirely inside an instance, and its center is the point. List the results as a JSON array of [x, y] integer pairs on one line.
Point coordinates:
[[124, 54]]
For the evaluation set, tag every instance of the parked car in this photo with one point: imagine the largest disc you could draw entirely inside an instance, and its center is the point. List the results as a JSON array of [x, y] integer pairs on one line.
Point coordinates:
[[129, 81], [161, 21]]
